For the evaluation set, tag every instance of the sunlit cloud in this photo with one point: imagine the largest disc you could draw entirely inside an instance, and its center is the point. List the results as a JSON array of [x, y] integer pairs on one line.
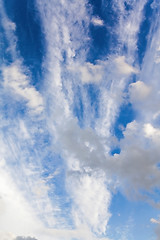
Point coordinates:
[[61, 159], [97, 21]]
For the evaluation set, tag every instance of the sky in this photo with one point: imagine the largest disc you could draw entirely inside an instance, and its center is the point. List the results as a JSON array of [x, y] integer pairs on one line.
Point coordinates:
[[79, 120]]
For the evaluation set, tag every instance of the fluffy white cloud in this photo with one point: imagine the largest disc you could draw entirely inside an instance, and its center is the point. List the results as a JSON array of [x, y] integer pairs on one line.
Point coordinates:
[[139, 91], [97, 21], [123, 67], [91, 73]]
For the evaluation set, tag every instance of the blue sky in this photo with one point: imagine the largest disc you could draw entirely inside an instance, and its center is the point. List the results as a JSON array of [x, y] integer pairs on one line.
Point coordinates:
[[80, 120]]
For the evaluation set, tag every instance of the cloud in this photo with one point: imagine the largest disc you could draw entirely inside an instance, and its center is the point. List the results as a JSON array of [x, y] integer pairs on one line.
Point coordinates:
[[139, 91], [18, 222], [25, 238], [24, 143], [6, 236], [97, 21], [123, 67], [129, 24], [91, 201], [157, 229], [86, 147], [9, 25], [89, 73], [152, 220], [90, 170], [18, 82], [152, 133], [138, 161]]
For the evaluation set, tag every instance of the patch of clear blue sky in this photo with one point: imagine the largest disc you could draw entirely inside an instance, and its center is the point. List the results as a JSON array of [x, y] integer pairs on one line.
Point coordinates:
[[131, 216], [53, 162], [92, 92], [104, 39], [30, 39], [126, 115]]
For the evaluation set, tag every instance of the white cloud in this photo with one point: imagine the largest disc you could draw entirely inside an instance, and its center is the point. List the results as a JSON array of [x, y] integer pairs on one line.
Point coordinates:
[[18, 82], [86, 147], [123, 67], [129, 24], [9, 25], [139, 91], [152, 220], [97, 21], [152, 133], [91, 201], [89, 73], [6, 236], [25, 238], [137, 163], [86, 150], [16, 215]]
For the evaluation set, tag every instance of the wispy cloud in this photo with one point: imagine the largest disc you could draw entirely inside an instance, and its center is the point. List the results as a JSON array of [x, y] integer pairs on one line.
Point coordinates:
[[48, 128], [17, 83], [152, 220]]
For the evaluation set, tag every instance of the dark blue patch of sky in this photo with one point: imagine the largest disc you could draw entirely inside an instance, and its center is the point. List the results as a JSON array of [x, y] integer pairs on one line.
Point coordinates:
[[126, 115], [30, 42], [78, 108], [5, 56], [104, 39], [92, 92], [93, 97], [144, 31]]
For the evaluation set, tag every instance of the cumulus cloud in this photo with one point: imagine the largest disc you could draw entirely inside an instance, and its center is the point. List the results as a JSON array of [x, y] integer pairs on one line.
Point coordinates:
[[91, 73], [123, 67], [139, 91], [137, 159], [97, 21]]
